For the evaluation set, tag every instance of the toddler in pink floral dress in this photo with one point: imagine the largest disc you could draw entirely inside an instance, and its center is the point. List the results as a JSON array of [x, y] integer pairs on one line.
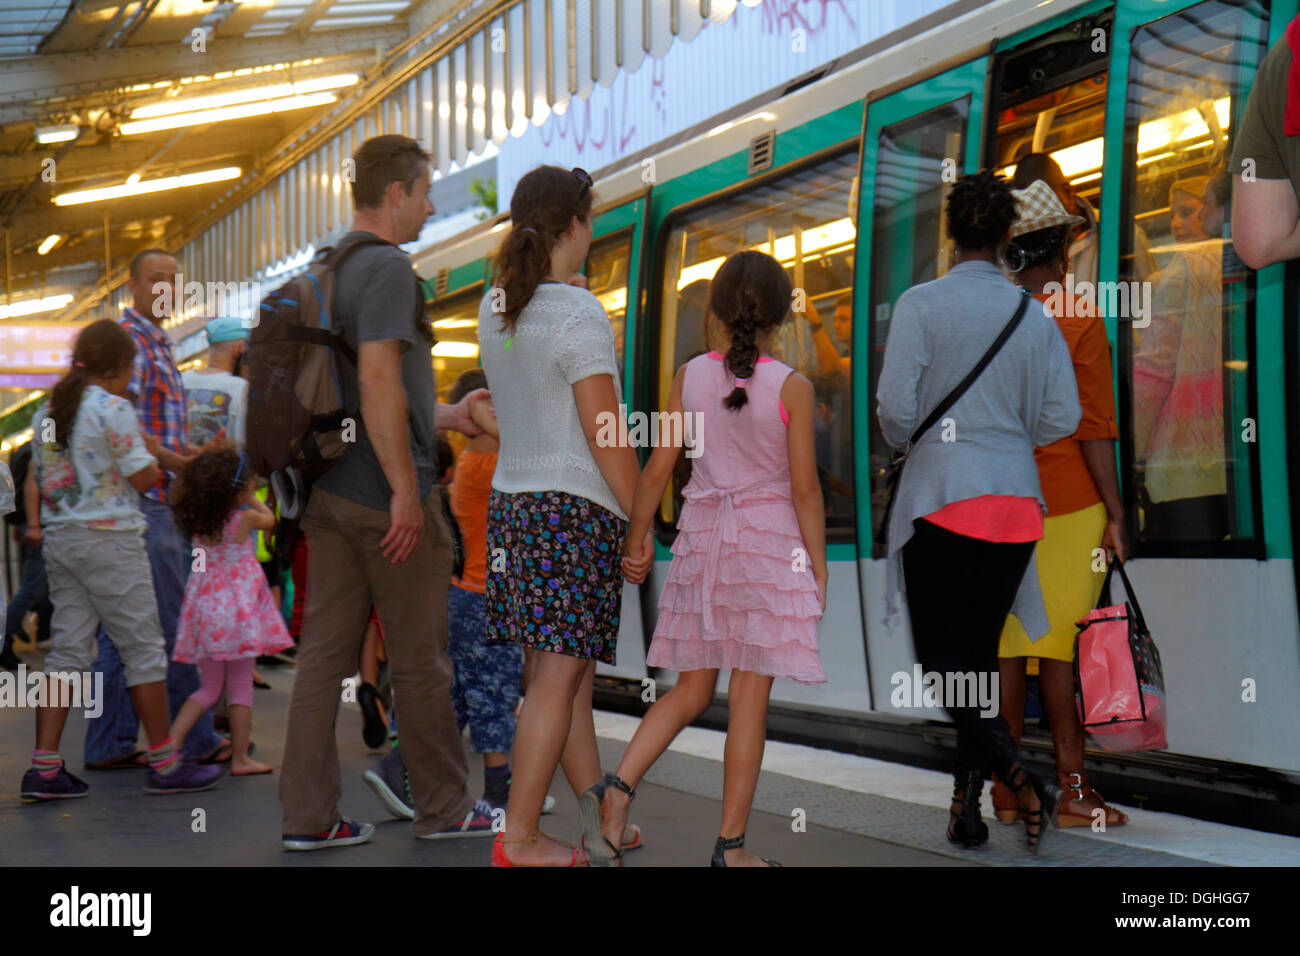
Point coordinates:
[[228, 617]]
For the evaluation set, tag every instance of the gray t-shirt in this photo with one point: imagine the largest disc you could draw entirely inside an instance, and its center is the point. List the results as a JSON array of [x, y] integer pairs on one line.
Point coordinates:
[[376, 297]]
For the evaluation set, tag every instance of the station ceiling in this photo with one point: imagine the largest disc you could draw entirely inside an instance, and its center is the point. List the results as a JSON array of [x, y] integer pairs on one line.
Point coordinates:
[[96, 92]]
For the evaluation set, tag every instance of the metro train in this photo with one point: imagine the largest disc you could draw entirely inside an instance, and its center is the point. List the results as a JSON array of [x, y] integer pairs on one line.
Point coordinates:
[[841, 175]]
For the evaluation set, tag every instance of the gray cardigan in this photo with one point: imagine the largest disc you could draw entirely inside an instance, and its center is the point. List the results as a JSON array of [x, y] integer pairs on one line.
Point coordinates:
[[1026, 397]]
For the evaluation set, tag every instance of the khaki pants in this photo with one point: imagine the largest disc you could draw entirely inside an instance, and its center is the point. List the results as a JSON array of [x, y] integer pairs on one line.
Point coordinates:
[[346, 574]]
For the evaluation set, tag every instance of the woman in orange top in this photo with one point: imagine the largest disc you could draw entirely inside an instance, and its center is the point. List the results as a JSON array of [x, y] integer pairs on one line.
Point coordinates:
[[1084, 511]]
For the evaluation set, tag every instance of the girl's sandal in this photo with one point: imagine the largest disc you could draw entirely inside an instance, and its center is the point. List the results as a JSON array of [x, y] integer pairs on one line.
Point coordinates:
[[499, 857], [600, 852]]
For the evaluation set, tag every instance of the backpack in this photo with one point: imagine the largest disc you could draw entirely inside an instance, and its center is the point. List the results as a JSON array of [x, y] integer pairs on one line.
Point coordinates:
[[296, 413]]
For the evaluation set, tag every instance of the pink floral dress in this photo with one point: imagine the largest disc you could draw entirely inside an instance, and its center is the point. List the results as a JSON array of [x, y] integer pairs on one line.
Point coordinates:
[[228, 613]]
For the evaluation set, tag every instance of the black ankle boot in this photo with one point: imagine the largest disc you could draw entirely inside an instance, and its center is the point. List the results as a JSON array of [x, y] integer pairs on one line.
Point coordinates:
[[966, 826]]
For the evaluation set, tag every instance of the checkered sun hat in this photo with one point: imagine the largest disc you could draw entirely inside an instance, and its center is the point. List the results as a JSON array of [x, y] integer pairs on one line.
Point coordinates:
[[1040, 208]]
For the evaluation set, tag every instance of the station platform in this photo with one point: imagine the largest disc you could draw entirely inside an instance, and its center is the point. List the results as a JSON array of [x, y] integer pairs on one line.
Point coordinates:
[[859, 812]]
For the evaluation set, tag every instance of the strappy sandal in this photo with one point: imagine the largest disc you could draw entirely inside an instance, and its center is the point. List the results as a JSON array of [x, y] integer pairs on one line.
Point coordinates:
[[735, 843], [599, 851], [965, 826], [499, 857], [1040, 822], [614, 780], [1077, 790]]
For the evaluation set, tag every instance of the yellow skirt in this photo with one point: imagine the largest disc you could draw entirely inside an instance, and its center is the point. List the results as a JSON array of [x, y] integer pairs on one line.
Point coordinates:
[[1070, 586]]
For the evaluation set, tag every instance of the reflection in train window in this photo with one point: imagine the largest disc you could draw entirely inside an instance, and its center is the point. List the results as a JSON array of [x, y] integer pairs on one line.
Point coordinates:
[[1188, 359], [909, 238], [806, 221], [606, 271]]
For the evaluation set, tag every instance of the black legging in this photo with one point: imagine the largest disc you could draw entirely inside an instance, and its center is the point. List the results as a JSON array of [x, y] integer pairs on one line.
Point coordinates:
[[959, 591]]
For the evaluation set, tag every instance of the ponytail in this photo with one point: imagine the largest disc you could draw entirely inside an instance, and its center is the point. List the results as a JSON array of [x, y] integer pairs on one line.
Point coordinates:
[[103, 349], [544, 204]]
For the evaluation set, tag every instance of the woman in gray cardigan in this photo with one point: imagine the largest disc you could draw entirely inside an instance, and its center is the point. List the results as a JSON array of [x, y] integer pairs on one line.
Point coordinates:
[[968, 506]]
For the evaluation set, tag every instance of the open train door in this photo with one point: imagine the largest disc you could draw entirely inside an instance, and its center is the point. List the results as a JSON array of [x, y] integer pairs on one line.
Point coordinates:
[[918, 140]]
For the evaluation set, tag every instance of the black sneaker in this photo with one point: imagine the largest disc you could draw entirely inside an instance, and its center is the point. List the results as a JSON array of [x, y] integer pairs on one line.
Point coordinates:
[[390, 783], [61, 786]]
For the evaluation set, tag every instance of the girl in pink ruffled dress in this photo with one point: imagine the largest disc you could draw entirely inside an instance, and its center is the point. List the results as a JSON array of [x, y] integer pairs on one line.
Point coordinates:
[[747, 583], [228, 617]]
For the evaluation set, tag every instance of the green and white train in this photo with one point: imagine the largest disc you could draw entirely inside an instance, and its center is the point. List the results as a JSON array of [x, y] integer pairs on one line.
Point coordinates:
[[841, 175]]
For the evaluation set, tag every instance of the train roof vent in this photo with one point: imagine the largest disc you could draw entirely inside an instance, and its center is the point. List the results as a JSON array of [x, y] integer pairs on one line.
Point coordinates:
[[760, 152], [441, 281]]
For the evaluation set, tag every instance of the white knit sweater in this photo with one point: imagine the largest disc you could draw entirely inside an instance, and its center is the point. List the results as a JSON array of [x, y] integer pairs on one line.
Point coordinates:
[[563, 336]]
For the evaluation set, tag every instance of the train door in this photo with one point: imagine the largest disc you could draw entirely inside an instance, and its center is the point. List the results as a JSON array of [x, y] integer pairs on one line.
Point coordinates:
[[917, 141], [612, 278], [1201, 379]]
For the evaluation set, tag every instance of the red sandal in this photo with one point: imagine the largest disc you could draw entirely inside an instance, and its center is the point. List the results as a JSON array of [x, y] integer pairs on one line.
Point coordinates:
[[499, 857]]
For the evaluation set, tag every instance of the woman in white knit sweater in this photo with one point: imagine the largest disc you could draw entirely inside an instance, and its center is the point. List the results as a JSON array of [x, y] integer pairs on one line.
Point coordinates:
[[559, 505]]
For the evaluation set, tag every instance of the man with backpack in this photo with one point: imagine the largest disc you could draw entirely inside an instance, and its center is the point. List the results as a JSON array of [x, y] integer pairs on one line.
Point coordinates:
[[373, 525]]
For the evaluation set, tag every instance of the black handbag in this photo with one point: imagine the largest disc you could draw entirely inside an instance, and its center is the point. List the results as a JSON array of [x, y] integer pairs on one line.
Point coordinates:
[[894, 470]]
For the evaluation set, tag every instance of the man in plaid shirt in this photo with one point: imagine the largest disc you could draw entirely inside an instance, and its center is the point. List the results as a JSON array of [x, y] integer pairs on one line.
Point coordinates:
[[159, 398]]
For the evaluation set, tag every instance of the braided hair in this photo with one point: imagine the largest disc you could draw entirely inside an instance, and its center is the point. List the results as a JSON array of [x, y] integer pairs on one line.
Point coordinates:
[[980, 210], [750, 294]]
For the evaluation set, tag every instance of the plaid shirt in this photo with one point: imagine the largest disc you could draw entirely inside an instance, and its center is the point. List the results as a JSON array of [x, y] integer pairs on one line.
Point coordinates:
[[159, 394]]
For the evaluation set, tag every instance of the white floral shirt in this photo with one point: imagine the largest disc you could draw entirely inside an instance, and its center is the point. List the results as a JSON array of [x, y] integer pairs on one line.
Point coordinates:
[[85, 484]]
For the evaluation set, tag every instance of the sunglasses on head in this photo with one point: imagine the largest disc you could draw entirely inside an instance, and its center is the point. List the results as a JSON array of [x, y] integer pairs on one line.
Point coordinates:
[[584, 177]]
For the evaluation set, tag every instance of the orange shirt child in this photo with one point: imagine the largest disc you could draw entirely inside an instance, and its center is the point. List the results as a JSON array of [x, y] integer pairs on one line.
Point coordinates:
[[470, 490]]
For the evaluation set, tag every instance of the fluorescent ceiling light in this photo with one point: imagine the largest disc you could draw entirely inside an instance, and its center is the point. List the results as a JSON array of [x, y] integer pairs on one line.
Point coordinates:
[[455, 349], [31, 306], [141, 187], [253, 94], [241, 111], [48, 243], [455, 323], [57, 134], [826, 236]]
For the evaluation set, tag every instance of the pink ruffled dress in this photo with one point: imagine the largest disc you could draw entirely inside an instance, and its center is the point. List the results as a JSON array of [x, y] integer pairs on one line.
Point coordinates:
[[740, 592], [228, 612]]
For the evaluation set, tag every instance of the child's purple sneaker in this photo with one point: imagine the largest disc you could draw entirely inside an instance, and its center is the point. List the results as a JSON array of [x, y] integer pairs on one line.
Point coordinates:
[[344, 833], [189, 777], [61, 786]]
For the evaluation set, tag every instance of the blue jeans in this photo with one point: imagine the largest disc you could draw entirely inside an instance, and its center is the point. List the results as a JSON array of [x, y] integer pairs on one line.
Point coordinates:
[[115, 731], [33, 595]]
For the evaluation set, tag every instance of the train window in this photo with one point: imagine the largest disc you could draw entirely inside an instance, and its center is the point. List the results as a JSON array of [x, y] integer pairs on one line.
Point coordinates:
[[1186, 337], [455, 326], [606, 271], [1052, 106], [805, 220], [908, 235]]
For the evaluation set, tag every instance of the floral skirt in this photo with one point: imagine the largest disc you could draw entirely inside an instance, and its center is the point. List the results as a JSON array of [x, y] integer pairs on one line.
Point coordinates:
[[554, 573]]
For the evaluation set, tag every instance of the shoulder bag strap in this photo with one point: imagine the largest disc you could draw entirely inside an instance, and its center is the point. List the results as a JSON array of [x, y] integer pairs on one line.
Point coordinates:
[[942, 408]]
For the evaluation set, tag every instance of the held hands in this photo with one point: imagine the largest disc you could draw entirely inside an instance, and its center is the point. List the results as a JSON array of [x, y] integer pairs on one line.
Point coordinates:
[[483, 413], [637, 561], [460, 417]]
